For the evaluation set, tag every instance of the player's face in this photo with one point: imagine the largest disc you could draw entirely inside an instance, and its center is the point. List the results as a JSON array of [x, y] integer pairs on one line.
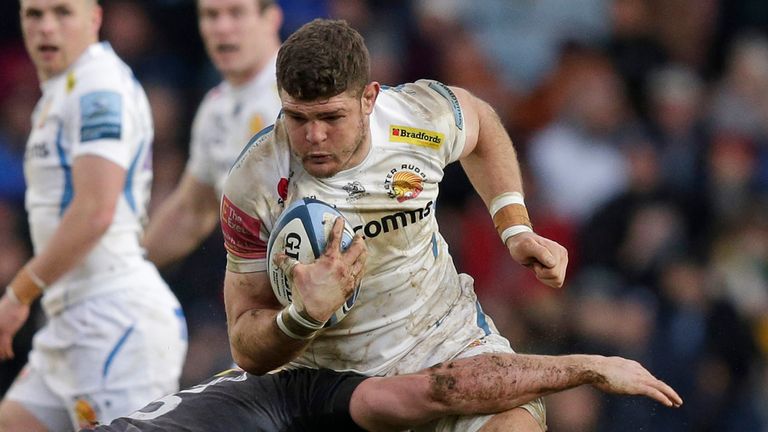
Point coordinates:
[[238, 36], [57, 32], [330, 135]]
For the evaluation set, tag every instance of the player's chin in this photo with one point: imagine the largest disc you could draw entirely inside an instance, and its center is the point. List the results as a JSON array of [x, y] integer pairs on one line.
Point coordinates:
[[321, 169]]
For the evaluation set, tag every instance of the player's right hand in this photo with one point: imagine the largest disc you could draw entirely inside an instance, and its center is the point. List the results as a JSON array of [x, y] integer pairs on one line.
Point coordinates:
[[320, 288], [12, 317], [623, 376]]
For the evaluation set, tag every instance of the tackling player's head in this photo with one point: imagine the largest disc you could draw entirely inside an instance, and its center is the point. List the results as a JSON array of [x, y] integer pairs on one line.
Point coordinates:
[[57, 32], [323, 76], [240, 36]]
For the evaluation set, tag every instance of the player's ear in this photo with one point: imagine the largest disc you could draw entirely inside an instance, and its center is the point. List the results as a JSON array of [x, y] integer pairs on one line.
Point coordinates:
[[370, 93], [274, 16], [97, 13]]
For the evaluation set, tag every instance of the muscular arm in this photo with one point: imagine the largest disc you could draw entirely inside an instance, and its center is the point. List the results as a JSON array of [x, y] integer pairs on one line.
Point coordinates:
[[97, 185], [182, 222], [494, 383], [490, 161], [488, 149], [257, 344]]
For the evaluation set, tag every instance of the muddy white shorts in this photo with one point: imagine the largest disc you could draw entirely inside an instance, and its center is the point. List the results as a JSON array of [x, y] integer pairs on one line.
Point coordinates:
[[466, 331]]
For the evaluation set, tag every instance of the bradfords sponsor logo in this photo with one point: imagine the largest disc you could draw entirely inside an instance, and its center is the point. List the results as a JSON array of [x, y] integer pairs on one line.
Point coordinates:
[[394, 221], [419, 137], [405, 183]]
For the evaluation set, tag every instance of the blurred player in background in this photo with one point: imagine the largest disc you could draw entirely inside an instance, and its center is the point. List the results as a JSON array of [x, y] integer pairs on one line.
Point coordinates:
[[116, 335], [322, 400], [242, 39], [377, 154]]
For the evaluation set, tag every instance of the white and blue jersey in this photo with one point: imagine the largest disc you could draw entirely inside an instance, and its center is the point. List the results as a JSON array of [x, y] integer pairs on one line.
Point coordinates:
[[94, 108], [115, 335], [412, 295], [226, 119]]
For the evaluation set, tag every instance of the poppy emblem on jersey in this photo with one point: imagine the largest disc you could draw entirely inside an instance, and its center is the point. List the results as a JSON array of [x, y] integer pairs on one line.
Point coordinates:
[[282, 188], [86, 411], [404, 183]]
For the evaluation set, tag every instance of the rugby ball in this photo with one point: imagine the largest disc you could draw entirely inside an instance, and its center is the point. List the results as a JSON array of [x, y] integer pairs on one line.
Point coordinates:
[[301, 232]]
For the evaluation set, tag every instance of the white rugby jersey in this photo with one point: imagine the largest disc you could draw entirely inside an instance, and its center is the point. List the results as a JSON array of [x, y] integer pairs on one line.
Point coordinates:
[[226, 119], [95, 107], [410, 281]]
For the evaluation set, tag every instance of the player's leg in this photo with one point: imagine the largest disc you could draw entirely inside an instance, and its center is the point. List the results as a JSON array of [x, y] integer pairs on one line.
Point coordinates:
[[109, 355], [137, 353], [30, 405], [531, 418]]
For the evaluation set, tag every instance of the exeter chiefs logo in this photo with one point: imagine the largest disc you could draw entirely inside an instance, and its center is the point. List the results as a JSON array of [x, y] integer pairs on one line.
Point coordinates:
[[404, 183]]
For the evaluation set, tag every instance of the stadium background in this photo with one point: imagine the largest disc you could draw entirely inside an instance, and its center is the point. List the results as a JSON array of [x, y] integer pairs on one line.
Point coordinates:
[[642, 126]]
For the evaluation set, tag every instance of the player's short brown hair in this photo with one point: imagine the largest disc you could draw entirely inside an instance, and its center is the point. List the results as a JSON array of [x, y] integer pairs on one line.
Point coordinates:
[[322, 59]]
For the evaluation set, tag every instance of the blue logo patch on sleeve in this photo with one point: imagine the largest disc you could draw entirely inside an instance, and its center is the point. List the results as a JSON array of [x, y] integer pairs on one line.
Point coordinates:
[[101, 116]]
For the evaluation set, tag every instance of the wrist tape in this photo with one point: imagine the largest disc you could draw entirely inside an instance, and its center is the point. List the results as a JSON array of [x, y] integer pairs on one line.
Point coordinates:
[[26, 286], [510, 217], [296, 324]]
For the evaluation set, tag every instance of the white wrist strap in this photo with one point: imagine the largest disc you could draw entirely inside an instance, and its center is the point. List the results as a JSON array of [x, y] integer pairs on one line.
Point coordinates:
[[504, 200], [307, 328], [37, 280], [513, 220], [301, 320]]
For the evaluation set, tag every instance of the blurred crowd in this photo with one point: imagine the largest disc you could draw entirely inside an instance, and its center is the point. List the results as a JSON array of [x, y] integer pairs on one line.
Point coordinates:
[[642, 128]]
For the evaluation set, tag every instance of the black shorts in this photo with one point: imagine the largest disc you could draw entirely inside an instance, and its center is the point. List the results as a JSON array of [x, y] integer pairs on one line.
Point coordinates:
[[294, 400]]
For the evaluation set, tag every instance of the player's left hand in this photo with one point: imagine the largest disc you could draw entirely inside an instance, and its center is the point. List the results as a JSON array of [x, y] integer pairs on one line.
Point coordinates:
[[320, 288], [12, 317], [548, 259]]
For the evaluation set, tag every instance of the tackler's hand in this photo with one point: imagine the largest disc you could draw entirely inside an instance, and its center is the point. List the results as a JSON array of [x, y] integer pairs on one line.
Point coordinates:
[[547, 259], [622, 376]]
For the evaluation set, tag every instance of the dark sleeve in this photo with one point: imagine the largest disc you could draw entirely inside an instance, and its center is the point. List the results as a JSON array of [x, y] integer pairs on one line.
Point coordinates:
[[321, 400], [235, 401]]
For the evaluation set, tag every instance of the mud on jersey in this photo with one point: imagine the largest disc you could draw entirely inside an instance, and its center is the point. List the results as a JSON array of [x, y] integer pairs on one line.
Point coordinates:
[[96, 107], [410, 281], [226, 119]]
